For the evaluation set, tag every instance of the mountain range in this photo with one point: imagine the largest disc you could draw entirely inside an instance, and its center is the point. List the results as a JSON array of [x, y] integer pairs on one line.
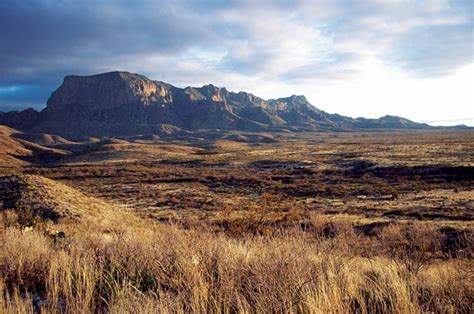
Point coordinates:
[[128, 104]]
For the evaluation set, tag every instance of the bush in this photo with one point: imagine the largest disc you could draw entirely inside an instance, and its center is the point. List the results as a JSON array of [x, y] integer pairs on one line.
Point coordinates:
[[415, 247]]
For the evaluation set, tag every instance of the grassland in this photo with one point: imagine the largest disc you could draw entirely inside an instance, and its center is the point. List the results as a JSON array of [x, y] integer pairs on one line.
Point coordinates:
[[329, 222]]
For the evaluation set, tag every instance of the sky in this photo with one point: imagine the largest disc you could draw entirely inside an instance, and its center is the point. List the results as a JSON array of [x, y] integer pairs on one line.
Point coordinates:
[[366, 58]]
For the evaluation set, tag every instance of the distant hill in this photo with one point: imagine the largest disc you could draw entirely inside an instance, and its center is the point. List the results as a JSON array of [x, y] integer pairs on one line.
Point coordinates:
[[16, 151], [52, 200], [126, 104]]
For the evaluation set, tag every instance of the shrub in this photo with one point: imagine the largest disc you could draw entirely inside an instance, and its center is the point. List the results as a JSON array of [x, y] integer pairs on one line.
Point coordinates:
[[415, 247]]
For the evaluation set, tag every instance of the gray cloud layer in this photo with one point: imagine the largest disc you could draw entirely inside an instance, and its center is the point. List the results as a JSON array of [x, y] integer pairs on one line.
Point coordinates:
[[187, 42]]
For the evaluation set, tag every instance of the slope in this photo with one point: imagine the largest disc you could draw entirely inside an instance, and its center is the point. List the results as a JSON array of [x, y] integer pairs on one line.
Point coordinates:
[[18, 152], [127, 104]]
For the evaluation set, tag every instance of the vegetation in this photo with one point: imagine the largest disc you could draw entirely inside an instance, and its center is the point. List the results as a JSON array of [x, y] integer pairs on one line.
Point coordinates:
[[155, 268], [318, 232]]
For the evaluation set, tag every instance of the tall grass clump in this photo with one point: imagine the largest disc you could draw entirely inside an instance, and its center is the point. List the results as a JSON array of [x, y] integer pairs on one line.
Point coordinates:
[[157, 268]]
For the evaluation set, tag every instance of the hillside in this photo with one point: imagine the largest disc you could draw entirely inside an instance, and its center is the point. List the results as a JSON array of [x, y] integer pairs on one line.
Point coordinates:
[[126, 104], [15, 151], [37, 198], [375, 222]]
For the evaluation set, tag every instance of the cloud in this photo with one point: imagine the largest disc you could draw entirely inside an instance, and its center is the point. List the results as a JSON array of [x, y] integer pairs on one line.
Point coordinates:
[[18, 97], [39, 35], [241, 44], [435, 50]]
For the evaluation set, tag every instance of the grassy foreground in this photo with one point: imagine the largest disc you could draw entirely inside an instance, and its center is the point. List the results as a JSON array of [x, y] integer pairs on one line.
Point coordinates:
[[140, 267], [336, 223]]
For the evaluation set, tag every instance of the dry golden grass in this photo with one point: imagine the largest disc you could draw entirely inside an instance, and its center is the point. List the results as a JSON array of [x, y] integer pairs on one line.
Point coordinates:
[[292, 226], [166, 269], [37, 198], [411, 176], [133, 265]]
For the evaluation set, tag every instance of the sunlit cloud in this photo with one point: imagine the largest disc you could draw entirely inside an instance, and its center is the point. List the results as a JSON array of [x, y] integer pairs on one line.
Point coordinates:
[[359, 58]]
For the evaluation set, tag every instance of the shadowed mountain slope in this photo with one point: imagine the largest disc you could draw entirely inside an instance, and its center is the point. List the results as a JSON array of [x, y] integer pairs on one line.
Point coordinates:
[[124, 104]]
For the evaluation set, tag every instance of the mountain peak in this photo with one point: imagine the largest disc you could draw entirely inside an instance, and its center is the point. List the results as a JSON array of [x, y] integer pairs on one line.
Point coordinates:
[[392, 118], [293, 100], [106, 90], [121, 103], [298, 97], [213, 92], [106, 75]]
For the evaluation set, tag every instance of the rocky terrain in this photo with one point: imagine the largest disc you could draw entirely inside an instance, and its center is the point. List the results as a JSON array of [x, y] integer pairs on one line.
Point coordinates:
[[352, 222], [126, 104], [131, 195]]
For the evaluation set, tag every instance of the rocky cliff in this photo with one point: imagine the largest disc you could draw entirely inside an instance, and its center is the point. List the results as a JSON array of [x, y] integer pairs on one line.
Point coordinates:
[[122, 103]]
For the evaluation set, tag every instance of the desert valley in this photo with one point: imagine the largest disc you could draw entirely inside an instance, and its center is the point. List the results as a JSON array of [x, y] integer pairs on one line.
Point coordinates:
[[131, 195]]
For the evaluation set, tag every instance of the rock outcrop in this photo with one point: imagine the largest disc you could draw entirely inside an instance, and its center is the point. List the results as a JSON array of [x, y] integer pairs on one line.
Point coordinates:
[[123, 104]]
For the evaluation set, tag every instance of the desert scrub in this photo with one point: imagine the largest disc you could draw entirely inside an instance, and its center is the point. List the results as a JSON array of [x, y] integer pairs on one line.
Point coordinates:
[[164, 268], [413, 246], [25, 259]]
